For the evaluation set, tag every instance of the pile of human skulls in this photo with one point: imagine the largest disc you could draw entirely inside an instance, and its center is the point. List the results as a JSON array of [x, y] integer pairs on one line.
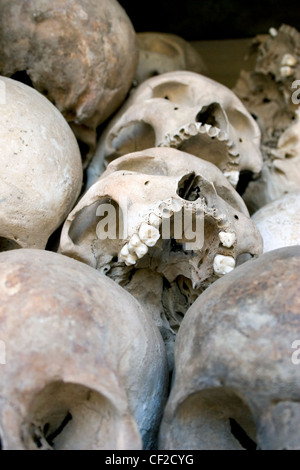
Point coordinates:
[[145, 302]]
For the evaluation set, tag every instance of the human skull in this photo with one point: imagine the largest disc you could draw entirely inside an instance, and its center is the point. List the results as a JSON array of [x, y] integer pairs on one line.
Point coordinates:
[[175, 224], [187, 111], [84, 369], [162, 52], [279, 222], [280, 172], [269, 93], [237, 382], [82, 55], [40, 166]]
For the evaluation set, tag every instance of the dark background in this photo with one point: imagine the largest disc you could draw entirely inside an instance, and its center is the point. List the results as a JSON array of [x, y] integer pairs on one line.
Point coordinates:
[[196, 20]]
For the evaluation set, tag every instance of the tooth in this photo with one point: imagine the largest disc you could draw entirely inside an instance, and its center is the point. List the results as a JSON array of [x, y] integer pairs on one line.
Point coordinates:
[[234, 153], [227, 238], [165, 210], [223, 264], [286, 71], [154, 220], [232, 176], [222, 136], [134, 242], [176, 205], [289, 59], [141, 250], [207, 127], [149, 234], [273, 32], [137, 247], [192, 129], [213, 132], [128, 258]]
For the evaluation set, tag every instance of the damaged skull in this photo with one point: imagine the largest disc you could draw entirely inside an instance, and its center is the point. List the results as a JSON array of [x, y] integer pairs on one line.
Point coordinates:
[[270, 92], [237, 381], [187, 111], [83, 371], [164, 224]]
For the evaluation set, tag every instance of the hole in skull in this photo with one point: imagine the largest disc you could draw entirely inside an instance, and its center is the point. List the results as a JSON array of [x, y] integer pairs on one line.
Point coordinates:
[[241, 435], [6, 244], [244, 179], [133, 137], [68, 416], [189, 187], [213, 115], [23, 77], [204, 421]]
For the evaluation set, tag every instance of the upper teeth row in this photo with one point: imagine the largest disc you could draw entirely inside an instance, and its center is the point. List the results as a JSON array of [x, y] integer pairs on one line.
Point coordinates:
[[193, 129]]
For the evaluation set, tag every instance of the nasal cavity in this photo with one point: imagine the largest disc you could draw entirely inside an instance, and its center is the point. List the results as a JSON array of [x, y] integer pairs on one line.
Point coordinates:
[[212, 114], [189, 187]]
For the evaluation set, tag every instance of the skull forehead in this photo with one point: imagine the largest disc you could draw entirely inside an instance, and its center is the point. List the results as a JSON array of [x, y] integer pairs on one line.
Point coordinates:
[[239, 320], [190, 87], [173, 163]]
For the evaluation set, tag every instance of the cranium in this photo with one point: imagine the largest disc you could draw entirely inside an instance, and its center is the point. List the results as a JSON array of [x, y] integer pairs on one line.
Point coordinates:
[[184, 225], [85, 368], [162, 52], [268, 92], [187, 111], [82, 55], [40, 167], [280, 172], [237, 381], [279, 222]]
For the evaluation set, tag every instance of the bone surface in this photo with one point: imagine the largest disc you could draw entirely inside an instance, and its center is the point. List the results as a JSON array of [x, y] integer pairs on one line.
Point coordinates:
[[82, 55], [187, 111], [40, 167], [180, 225], [268, 92], [237, 381], [85, 367], [279, 222], [161, 52]]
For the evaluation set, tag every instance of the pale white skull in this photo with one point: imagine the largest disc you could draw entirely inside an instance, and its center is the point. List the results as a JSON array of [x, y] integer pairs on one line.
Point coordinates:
[[84, 368], [237, 381], [40, 166], [187, 111], [179, 226], [81, 54], [162, 52], [279, 222]]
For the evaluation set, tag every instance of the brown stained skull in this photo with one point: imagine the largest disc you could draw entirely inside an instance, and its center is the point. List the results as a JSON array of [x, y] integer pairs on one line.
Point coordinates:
[[179, 226], [237, 381], [162, 52], [40, 167], [186, 111], [84, 368], [82, 55]]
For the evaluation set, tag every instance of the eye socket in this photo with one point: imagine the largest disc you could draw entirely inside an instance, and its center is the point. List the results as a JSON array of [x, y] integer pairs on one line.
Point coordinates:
[[241, 122]]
